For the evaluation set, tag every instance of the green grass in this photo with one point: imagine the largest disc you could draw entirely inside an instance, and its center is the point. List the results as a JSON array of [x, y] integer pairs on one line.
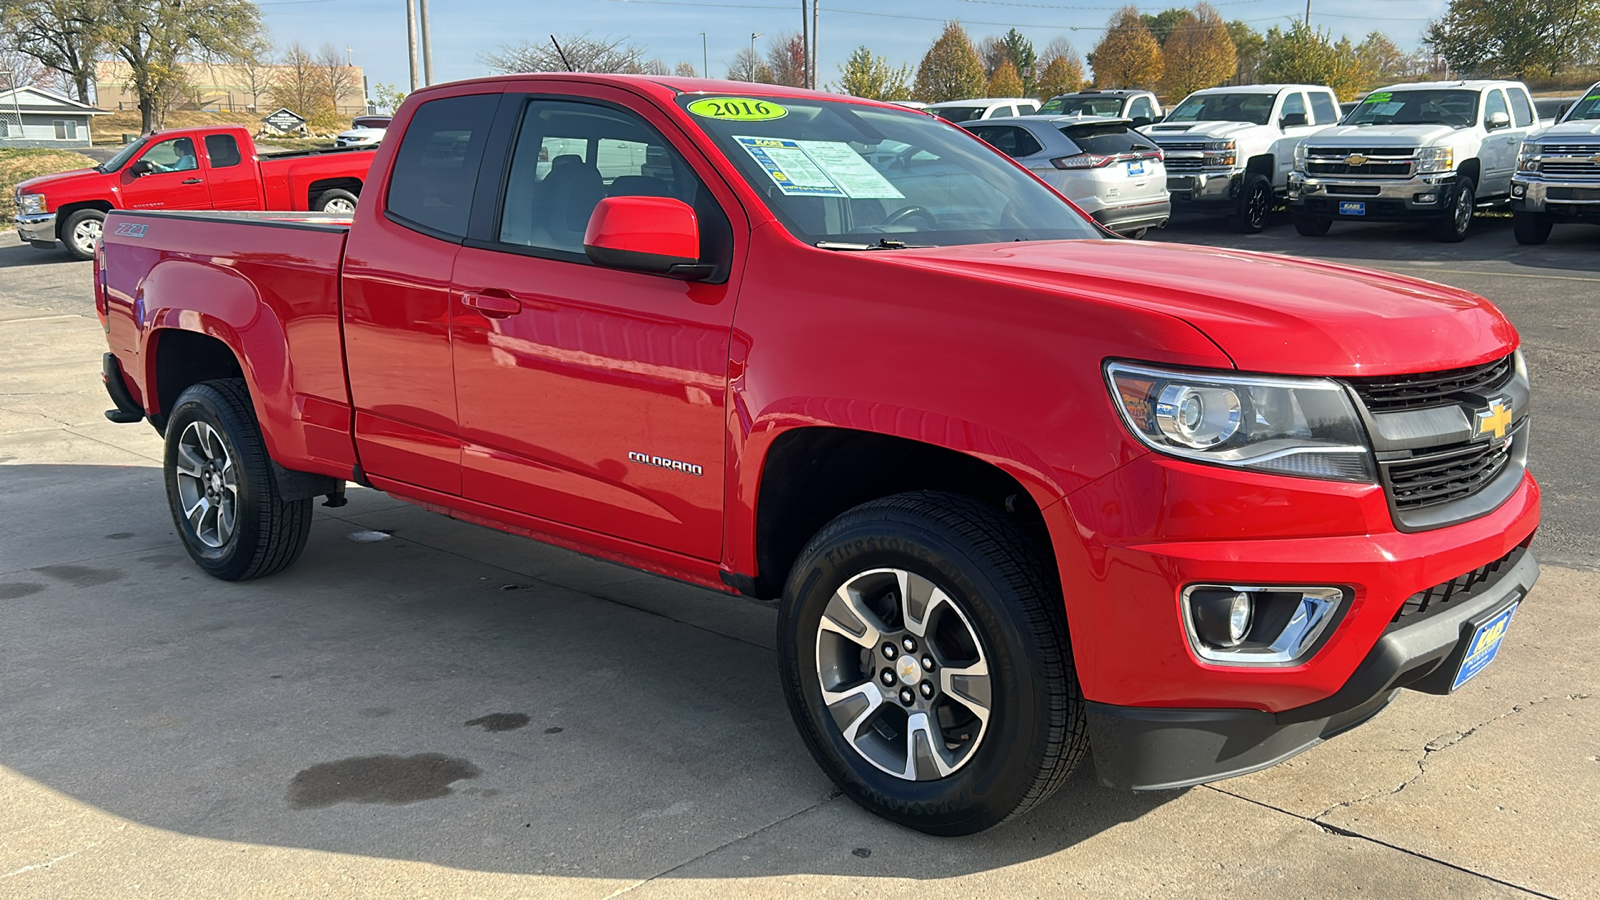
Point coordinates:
[[17, 166]]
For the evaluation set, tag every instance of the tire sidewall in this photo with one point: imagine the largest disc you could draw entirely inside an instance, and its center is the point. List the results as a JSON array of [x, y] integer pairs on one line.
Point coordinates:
[[1254, 184], [1465, 191], [328, 196], [231, 560], [71, 225], [996, 778]]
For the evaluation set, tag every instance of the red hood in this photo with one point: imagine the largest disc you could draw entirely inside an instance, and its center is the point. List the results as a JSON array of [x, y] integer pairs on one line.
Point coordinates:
[[1268, 313], [43, 182]]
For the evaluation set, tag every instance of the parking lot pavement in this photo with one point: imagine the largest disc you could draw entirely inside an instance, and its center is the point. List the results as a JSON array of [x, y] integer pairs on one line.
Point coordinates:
[[422, 707]]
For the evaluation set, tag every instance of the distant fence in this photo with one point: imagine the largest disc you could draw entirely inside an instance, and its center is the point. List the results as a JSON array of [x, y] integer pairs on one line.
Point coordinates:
[[227, 104]]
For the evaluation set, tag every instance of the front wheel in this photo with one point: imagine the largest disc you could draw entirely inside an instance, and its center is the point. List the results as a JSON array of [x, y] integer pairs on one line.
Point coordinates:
[[1531, 227], [925, 659], [81, 232], [220, 486], [1255, 204], [1452, 229]]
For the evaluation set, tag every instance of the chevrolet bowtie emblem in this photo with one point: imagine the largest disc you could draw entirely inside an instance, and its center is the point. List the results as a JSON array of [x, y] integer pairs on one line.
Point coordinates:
[[1355, 159], [1595, 160], [1495, 420]]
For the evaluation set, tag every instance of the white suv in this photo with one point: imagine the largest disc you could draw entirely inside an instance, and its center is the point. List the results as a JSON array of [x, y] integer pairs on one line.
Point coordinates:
[[1432, 152], [983, 108], [1230, 149]]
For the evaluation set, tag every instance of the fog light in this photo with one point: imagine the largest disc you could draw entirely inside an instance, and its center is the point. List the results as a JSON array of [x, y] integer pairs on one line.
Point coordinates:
[[1427, 198], [1517, 190], [1222, 618]]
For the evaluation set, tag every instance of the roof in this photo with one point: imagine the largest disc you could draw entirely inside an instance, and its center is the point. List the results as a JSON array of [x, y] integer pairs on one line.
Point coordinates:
[[35, 99], [1105, 92], [1046, 121], [1476, 85], [982, 101], [1260, 88]]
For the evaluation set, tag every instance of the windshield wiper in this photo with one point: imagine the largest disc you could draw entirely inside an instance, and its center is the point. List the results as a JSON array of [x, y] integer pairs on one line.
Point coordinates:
[[882, 244]]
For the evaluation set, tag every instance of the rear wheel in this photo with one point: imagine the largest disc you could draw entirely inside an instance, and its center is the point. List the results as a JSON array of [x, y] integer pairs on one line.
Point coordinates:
[[1255, 204], [1453, 227], [1137, 234], [1531, 227], [224, 498], [336, 202], [1311, 226], [925, 660], [81, 232]]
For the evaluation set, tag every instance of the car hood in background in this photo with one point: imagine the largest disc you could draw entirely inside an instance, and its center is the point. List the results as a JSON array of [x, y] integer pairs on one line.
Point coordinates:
[[1268, 313], [1383, 135], [1197, 130], [1585, 128]]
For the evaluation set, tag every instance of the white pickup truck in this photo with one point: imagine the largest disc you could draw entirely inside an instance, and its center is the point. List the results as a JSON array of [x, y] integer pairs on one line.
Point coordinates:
[[1431, 152], [1558, 173], [1230, 149]]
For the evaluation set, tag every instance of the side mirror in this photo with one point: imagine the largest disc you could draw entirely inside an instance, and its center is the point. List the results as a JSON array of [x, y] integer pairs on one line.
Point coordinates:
[[1142, 121], [658, 235], [1293, 120], [1498, 120], [139, 168], [1562, 112]]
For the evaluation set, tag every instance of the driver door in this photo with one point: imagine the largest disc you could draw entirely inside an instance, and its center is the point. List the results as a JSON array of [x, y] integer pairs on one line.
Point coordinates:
[[589, 396], [176, 180], [1290, 103]]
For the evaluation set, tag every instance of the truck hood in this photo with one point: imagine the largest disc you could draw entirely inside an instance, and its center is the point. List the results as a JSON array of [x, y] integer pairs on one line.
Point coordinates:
[[1268, 313], [1583, 128], [1384, 135], [43, 182], [1197, 131]]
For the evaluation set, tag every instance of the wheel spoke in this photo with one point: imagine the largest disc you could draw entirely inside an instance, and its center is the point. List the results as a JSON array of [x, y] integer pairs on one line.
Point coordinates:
[[189, 463], [922, 599], [226, 510], [970, 687], [196, 514], [926, 757], [852, 707], [847, 616]]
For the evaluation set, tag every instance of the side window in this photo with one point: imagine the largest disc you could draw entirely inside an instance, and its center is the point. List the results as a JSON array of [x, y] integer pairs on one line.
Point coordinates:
[[569, 155], [1496, 103], [174, 155], [1142, 107], [1326, 109], [1008, 139], [430, 186], [1521, 108], [1294, 102], [223, 151]]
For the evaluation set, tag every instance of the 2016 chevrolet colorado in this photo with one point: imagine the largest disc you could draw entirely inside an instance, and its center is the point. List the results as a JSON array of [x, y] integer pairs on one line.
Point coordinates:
[[1024, 490]]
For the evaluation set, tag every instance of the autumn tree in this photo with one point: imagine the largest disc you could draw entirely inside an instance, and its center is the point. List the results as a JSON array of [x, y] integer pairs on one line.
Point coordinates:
[[992, 51], [22, 70], [1248, 45], [1163, 24], [685, 70], [865, 75], [154, 36], [1061, 75], [64, 36], [1383, 59], [786, 59], [1199, 54], [1127, 54], [1020, 50], [1307, 55], [1005, 82], [950, 70], [581, 51], [1518, 38]]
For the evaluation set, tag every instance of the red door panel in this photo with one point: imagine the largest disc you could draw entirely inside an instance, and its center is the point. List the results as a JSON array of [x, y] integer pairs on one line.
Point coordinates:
[[230, 175], [176, 180]]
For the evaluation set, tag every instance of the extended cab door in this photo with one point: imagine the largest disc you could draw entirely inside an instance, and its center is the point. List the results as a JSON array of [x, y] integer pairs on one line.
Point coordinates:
[[231, 178], [174, 180], [1498, 155], [589, 396], [1293, 118]]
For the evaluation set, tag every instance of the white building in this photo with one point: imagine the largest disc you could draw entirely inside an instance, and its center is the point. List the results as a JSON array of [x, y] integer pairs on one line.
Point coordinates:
[[35, 117]]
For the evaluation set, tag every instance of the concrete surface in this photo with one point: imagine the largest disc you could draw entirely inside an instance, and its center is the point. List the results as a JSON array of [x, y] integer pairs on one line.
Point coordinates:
[[453, 712]]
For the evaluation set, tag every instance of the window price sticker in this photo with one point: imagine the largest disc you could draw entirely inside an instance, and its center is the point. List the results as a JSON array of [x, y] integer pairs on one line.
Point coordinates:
[[818, 168]]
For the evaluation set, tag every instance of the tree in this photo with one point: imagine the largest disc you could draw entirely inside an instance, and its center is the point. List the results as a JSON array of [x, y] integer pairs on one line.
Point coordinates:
[[747, 66], [1199, 54], [684, 70], [1163, 24], [257, 69], [338, 82], [584, 53], [1306, 55], [1020, 51], [18, 69], [64, 36], [297, 86], [992, 51], [950, 70], [865, 75], [387, 97], [1005, 82], [1127, 54], [1518, 38], [154, 36], [786, 59], [1382, 58], [1248, 45], [1061, 76]]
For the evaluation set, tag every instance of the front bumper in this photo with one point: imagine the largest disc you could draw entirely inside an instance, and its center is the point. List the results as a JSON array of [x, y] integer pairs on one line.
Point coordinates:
[[1398, 200], [1217, 189], [1134, 216], [1144, 748], [1562, 199], [37, 228]]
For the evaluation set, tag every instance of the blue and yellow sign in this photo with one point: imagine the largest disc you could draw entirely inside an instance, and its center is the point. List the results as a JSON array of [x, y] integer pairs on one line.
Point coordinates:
[[1485, 644]]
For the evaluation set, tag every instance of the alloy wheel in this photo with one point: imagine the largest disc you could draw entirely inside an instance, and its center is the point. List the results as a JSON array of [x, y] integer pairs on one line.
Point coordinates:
[[86, 234], [340, 207], [208, 484]]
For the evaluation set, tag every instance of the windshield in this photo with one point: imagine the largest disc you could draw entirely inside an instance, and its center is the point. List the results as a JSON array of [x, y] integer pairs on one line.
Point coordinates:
[[848, 173], [958, 113], [1587, 108], [1455, 108], [1253, 108], [1069, 105], [123, 155]]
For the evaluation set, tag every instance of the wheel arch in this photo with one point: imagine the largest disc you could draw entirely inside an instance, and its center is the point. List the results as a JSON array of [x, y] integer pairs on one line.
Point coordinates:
[[1263, 164], [65, 211], [318, 187], [1471, 168]]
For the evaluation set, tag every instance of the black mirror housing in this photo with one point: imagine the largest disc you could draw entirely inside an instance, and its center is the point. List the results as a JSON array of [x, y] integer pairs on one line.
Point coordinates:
[[1293, 120]]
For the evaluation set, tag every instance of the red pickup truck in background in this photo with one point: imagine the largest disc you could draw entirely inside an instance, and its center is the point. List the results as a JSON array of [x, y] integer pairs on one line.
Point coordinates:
[[1024, 490], [187, 168]]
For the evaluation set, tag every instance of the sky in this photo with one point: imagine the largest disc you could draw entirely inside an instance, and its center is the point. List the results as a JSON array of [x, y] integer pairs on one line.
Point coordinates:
[[374, 30]]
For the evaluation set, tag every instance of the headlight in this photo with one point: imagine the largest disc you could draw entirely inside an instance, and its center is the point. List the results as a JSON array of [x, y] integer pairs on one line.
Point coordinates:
[[1288, 426], [1528, 158], [1435, 159], [30, 203], [1221, 153], [1300, 156]]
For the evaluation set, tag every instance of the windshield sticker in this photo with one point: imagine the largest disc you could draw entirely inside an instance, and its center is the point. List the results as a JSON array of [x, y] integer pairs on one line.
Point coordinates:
[[1388, 109], [1378, 97], [737, 109], [818, 168]]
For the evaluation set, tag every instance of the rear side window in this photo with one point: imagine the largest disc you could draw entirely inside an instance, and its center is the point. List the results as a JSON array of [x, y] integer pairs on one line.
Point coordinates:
[[222, 150], [430, 187], [1327, 111], [1521, 108], [1107, 140], [1011, 140]]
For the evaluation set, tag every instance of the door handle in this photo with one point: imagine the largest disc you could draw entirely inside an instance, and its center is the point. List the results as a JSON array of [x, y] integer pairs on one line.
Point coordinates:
[[493, 305], [191, 181]]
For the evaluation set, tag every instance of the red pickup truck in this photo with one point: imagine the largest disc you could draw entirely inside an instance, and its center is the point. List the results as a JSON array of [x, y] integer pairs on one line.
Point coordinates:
[[186, 168], [1024, 490]]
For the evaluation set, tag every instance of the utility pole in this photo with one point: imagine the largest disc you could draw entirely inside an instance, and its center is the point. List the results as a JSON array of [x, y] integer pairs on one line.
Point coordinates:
[[1308, 13], [427, 46], [805, 49], [814, 35], [705, 58], [411, 40], [754, 60]]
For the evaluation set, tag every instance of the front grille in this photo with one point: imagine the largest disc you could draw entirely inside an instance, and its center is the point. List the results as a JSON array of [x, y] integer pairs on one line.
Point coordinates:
[[1354, 190], [1372, 169], [1170, 146], [1445, 475], [1185, 164], [1568, 193], [1382, 162], [1574, 160], [1456, 589], [1389, 393]]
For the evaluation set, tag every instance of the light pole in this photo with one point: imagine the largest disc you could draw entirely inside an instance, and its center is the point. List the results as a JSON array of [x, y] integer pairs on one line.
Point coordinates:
[[411, 39], [753, 57], [705, 58]]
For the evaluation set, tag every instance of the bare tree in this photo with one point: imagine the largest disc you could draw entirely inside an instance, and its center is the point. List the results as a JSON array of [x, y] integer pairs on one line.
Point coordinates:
[[582, 52], [257, 70], [747, 66], [684, 70], [18, 69], [65, 36], [297, 85], [656, 67], [338, 76]]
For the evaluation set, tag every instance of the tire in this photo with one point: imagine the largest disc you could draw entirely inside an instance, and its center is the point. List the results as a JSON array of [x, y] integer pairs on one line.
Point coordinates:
[[1137, 234], [1531, 227], [81, 232], [1453, 228], [335, 201], [1311, 226], [211, 433], [1255, 204], [997, 608]]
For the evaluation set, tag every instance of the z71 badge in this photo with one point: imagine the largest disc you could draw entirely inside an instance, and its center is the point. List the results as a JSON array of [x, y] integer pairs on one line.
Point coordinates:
[[130, 229], [661, 462]]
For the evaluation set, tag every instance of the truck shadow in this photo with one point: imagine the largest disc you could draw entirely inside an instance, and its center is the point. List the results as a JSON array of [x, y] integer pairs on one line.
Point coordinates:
[[421, 689], [16, 255]]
